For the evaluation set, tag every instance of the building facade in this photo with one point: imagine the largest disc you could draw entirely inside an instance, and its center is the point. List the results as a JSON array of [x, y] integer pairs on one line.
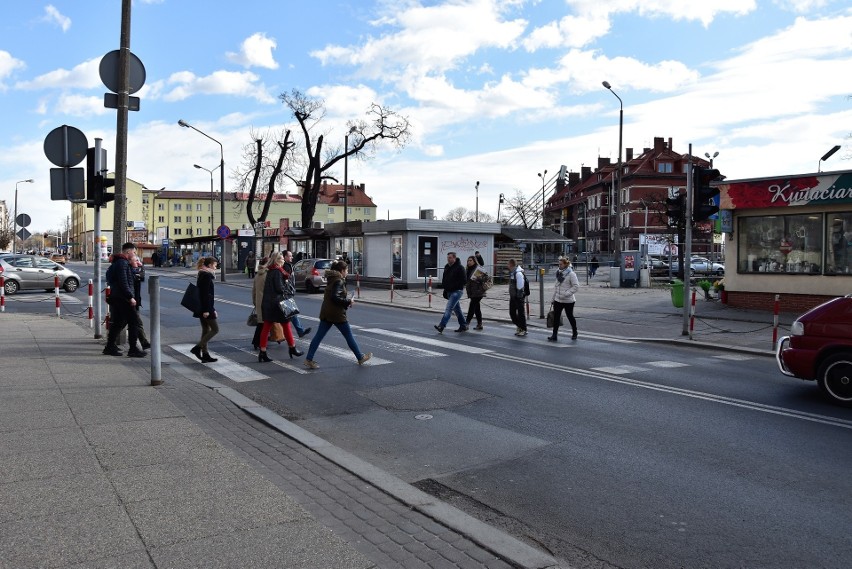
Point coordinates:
[[581, 207]]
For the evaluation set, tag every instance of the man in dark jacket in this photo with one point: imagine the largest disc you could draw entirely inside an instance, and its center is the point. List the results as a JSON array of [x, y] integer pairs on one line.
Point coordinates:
[[453, 282], [288, 268], [122, 301]]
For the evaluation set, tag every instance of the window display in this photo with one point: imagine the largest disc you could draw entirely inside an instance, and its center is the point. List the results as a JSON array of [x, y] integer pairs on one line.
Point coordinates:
[[781, 244], [838, 242]]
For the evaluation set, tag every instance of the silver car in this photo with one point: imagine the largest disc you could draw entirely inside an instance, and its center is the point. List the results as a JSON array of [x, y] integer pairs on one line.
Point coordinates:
[[34, 272], [310, 274]]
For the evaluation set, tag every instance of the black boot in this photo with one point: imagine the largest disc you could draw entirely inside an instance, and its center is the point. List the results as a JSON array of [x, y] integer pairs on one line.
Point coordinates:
[[294, 351], [206, 358], [262, 357], [196, 351]]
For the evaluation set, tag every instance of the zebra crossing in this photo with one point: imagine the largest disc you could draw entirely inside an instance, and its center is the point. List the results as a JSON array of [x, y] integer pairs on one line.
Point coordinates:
[[390, 344]]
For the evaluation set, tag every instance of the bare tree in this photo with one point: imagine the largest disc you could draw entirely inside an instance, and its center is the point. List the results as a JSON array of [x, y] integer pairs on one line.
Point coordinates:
[[6, 231], [464, 214], [527, 212], [382, 124]]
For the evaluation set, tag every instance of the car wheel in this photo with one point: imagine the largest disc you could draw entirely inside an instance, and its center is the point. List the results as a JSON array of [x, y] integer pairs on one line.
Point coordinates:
[[835, 378], [309, 287], [691, 272], [720, 272], [11, 286], [71, 285]]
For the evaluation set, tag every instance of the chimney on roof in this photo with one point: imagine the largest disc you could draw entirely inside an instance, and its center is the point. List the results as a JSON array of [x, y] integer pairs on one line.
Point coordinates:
[[602, 162], [659, 144], [670, 143], [573, 179], [585, 172], [628, 154]]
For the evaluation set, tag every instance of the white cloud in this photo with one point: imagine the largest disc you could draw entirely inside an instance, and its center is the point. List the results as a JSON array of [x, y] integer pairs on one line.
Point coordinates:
[[184, 84], [83, 76], [801, 6], [8, 65], [256, 51], [52, 15], [80, 106]]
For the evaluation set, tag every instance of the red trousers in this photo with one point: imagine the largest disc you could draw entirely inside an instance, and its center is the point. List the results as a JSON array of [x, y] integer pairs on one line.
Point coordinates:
[[267, 328]]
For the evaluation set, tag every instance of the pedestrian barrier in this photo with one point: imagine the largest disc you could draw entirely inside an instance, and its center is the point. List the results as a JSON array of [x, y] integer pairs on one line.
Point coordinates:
[[391, 290], [357, 286], [692, 314], [56, 293], [775, 311], [91, 305], [2, 294], [429, 290], [106, 299]]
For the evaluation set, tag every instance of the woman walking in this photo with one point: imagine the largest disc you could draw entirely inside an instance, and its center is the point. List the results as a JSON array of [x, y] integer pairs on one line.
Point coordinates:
[[257, 299], [567, 284], [475, 291], [207, 315], [277, 287], [335, 303]]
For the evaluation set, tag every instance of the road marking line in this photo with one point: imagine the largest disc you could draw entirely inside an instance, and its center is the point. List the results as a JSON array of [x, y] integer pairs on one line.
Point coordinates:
[[618, 370], [346, 354], [467, 348], [667, 364], [280, 363], [734, 357], [751, 405], [225, 366]]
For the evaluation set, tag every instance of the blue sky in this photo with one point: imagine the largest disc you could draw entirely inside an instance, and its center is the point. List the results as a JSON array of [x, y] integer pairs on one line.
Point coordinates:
[[496, 90]]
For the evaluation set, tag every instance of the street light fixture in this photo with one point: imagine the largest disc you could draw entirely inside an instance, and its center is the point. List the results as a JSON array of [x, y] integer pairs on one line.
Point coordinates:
[[540, 175], [710, 158], [212, 231], [825, 157], [185, 124], [346, 176], [499, 203], [477, 202], [614, 207], [15, 234]]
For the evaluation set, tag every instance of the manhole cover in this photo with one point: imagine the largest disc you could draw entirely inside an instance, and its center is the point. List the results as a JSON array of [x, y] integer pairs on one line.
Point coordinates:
[[423, 417]]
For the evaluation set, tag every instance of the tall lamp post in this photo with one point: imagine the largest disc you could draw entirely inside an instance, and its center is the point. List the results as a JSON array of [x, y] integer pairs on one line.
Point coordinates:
[[212, 231], [499, 203], [617, 245], [825, 157], [710, 158], [477, 203], [185, 124], [540, 175], [346, 176], [15, 234]]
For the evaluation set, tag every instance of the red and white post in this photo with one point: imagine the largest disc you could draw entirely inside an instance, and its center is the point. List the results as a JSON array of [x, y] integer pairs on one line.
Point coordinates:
[[91, 304], [106, 296], [429, 290], [775, 311], [357, 286], [56, 293], [391, 288], [2, 294], [692, 314]]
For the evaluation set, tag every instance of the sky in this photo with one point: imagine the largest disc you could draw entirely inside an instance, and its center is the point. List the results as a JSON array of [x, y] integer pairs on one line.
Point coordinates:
[[497, 91]]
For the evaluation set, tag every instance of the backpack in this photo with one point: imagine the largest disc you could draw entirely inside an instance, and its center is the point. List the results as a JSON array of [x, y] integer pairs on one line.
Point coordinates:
[[526, 285], [110, 274]]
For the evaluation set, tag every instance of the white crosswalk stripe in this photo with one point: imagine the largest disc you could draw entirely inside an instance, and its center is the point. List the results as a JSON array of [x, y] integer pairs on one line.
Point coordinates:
[[620, 370], [225, 366], [734, 357], [346, 354], [666, 364], [429, 341]]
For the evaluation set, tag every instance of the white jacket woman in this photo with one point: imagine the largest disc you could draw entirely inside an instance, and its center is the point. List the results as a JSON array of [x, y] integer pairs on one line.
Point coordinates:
[[567, 284]]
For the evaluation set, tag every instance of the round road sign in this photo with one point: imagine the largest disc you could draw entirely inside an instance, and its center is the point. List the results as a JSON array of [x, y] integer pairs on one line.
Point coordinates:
[[223, 232], [65, 146], [23, 220], [109, 72]]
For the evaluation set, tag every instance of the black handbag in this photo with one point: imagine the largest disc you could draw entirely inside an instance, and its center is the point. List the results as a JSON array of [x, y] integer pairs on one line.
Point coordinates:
[[191, 299], [289, 307], [252, 319], [551, 318]]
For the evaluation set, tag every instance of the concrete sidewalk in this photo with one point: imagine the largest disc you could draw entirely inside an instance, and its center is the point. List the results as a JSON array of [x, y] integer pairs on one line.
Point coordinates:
[[99, 469]]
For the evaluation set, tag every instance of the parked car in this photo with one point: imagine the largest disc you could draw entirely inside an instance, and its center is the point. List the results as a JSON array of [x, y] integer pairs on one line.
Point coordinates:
[[310, 274], [29, 272], [657, 266], [819, 348], [59, 258], [701, 266]]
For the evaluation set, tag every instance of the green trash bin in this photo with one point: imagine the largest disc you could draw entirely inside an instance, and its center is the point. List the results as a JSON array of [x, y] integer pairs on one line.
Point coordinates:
[[677, 293]]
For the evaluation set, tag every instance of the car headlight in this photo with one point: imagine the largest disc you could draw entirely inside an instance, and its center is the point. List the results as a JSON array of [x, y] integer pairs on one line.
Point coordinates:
[[797, 329]]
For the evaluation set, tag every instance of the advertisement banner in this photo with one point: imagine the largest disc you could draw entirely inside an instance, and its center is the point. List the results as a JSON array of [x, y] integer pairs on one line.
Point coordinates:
[[813, 189]]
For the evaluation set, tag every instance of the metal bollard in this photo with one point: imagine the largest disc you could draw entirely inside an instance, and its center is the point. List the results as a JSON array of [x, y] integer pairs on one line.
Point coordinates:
[[541, 292], [692, 314], [391, 288], [775, 311], [430, 292], [2, 294], [156, 360], [91, 306], [106, 318], [56, 293], [357, 286]]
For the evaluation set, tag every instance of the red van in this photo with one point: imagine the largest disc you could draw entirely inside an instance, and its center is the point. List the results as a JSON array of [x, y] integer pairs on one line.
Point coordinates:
[[819, 348]]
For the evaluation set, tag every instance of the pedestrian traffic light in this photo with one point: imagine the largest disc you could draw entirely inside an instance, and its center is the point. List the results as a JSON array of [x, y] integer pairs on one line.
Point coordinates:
[[704, 204], [103, 183], [676, 210]]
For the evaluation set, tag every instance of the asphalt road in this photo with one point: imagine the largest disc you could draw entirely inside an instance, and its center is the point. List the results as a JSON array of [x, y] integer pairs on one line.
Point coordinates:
[[606, 452]]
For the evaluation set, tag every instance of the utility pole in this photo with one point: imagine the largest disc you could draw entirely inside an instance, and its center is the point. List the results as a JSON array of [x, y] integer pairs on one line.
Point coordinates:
[[119, 222]]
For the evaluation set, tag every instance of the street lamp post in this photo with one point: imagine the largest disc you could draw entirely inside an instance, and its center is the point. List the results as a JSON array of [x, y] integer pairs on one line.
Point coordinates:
[[15, 234], [212, 231], [825, 157], [540, 175], [617, 245], [477, 203], [499, 203], [346, 176], [710, 158], [185, 124]]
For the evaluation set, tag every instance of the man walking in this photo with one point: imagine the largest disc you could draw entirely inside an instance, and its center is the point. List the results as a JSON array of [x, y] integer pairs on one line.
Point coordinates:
[[516, 298], [453, 281], [122, 303]]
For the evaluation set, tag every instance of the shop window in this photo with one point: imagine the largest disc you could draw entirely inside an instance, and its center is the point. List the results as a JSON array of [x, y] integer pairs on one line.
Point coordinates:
[[780, 244], [839, 243]]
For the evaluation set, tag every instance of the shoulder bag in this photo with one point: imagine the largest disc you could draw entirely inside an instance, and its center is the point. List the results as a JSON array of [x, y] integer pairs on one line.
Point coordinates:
[[289, 307], [551, 317], [191, 299]]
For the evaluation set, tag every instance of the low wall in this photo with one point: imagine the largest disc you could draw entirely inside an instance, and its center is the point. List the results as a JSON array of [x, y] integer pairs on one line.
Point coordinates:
[[796, 303]]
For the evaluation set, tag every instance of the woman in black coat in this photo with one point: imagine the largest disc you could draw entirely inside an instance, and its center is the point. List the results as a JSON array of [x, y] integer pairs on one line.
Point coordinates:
[[277, 287], [207, 314]]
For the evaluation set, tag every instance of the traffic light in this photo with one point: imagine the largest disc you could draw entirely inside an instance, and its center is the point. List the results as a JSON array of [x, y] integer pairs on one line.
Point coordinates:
[[676, 210], [704, 195], [101, 185]]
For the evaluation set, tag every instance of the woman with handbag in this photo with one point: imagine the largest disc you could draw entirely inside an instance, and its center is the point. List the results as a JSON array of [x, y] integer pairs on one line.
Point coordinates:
[[277, 289], [207, 313], [567, 284], [335, 303], [257, 299], [475, 286]]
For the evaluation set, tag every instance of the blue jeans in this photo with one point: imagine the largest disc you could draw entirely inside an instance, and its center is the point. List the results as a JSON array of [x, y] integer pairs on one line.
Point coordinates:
[[322, 330], [454, 306], [297, 325]]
